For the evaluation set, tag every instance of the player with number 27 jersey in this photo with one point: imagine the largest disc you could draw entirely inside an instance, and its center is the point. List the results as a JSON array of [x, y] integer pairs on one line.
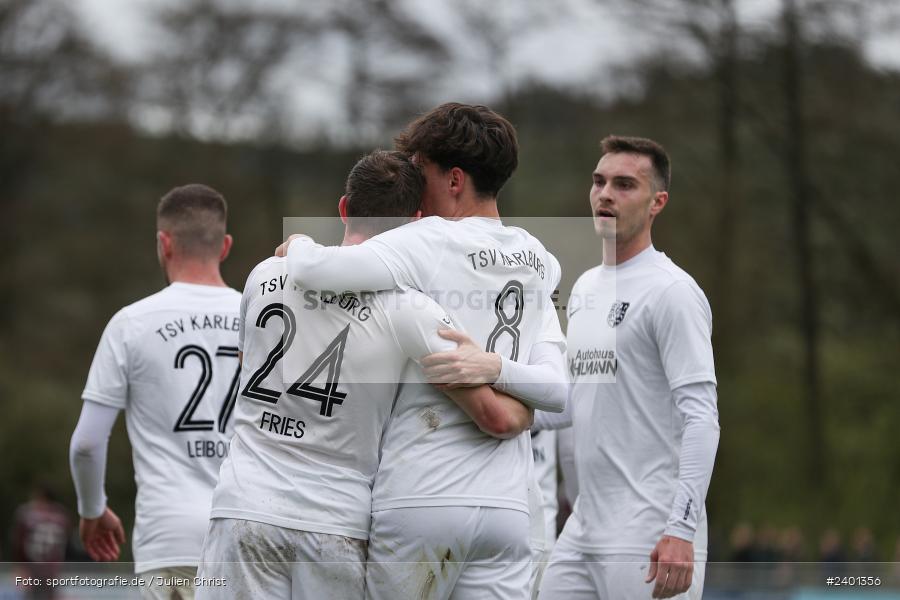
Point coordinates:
[[171, 362]]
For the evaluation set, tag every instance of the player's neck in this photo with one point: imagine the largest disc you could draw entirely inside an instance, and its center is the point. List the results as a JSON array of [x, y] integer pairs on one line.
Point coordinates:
[[615, 253], [352, 239], [197, 273], [477, 207]]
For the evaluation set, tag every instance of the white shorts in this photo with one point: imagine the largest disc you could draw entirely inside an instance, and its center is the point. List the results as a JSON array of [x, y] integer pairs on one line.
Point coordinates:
[[448, 553], [258, 560], [575, 575], [169, 583]]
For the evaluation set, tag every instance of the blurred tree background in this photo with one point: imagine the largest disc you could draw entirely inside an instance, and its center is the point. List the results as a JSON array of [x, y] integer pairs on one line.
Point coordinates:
[[784, 138]]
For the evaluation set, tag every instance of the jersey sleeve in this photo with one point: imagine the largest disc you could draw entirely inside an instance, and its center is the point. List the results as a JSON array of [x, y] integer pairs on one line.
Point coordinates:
[[356, 268], [699, 440], [415, 320], [541, 383], [682, 322], [412, 253], [87, 457], [107, 381]]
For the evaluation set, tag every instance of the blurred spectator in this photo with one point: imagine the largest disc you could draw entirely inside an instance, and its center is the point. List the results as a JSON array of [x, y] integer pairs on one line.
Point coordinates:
[[863, 545], [792, 551], [743, 545], [792, 545], [831, 553], [40, 535], [767, 545], [831, 548]]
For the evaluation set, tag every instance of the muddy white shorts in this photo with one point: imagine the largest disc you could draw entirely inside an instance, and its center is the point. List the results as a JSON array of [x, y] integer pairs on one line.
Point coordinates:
[[449, 553], [247, 559]]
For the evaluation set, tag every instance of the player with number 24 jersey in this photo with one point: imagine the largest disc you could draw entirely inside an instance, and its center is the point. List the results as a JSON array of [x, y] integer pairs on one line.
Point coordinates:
[[320, 373]]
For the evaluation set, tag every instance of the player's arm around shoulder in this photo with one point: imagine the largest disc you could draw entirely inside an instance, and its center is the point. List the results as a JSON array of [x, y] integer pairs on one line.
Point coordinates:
[[369, 266], [421, 327]]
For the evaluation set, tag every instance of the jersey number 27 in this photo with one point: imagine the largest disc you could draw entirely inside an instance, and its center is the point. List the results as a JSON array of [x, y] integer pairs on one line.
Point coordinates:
[[186, 420]]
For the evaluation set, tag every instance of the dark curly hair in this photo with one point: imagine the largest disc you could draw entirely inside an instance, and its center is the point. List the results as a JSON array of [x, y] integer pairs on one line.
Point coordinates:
[[469, 136]]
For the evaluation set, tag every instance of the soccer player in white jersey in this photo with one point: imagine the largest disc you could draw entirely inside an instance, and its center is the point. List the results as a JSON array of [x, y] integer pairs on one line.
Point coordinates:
[[644, 401], [320, 373], [451, 504], [170, 361]]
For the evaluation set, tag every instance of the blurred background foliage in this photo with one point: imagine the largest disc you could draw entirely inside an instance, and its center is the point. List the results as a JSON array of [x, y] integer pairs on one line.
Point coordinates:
[[783, 135]]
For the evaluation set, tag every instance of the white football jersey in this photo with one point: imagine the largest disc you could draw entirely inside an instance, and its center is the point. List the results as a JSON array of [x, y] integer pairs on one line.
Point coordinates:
[[496, 283], [636, 332], [171, 362], [319, 377]]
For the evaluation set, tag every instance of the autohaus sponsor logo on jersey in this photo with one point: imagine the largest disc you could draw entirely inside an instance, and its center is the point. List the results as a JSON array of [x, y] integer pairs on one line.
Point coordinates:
[[617, 313], [593, 362]]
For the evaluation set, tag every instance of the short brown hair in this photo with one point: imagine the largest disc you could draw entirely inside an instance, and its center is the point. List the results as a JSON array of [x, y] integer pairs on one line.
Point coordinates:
[[195, 216], [469, 136], [384, 190], [647, 147]]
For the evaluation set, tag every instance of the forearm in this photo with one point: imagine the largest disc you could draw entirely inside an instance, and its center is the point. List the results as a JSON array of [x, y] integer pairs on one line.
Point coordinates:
[[542, 383], [495, 413], [87, 457], [699, 441], [313, 266]]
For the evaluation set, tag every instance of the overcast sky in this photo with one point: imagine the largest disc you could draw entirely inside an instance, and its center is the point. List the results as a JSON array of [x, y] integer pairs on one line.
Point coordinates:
[[574, 51]]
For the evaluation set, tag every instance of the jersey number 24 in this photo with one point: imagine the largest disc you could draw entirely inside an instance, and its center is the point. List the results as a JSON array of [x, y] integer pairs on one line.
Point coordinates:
[[330, 359]]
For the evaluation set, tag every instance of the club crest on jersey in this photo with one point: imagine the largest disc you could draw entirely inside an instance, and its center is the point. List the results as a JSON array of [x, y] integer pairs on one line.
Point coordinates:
[[617, 313]]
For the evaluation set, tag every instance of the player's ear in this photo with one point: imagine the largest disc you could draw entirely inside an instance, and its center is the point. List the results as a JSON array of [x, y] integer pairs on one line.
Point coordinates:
[[456, 180], [164, 244], [660, 199], [342, 209], [416, 216], [227, 242]]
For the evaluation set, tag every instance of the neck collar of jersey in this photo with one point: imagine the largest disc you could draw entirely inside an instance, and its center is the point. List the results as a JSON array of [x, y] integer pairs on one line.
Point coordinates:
[[197, 287], [642, 257], [485, 221]]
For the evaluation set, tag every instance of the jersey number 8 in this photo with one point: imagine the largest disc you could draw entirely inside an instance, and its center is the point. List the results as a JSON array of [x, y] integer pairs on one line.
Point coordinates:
[[505, 323]]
